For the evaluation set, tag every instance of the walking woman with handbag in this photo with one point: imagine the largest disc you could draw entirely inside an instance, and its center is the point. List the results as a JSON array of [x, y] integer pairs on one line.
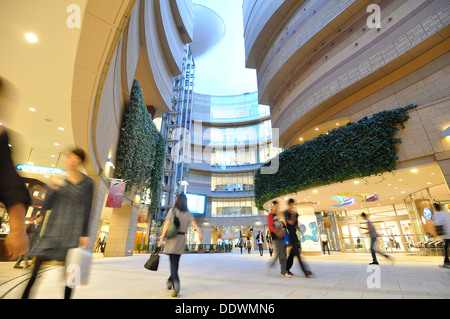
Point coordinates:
[[175, 246]]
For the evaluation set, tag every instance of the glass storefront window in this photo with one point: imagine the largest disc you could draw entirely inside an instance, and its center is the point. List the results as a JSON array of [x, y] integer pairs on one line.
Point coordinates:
[[357, 237], [400, 209], [243, 155], [231, 182], [233, 207]]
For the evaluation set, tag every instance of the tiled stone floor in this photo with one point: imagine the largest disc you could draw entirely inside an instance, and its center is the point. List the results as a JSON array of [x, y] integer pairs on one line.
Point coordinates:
[[236, 276]]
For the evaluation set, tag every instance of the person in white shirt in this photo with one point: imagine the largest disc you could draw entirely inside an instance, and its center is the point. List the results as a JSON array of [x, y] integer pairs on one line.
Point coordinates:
[[443, 219], [324, 238]]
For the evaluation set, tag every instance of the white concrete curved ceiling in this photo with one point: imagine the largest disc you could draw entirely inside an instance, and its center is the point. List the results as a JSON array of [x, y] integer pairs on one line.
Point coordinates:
[[39, 76], [209, 31]]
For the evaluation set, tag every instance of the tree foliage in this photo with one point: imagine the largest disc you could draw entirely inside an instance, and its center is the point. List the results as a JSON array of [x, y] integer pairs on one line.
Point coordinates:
[[141, 149]]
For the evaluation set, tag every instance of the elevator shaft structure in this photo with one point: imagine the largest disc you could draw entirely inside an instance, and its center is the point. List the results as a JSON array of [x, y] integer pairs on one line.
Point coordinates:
[[175, 128]]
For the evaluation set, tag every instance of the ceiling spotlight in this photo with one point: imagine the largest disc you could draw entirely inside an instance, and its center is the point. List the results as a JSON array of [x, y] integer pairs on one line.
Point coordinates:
[[414, 170], [446, 132], [56, 144], [317, 128], [31, 37], [32, 109], [301, 138], [61, 128], [356, 182]]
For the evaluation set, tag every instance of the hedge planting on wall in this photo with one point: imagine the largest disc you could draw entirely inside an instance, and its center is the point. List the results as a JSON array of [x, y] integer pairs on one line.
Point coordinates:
[[141, 149], [356, 150]]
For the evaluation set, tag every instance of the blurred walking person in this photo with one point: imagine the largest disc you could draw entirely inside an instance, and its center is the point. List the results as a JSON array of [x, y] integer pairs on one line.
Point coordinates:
[[175, 246], [442, 220], [260, 241], [269, 243], [291, 217], [33, 232], [13, 192], [249, 245], [277, 232], [69, 199], [324, 238], [241, 243], [373, 240]]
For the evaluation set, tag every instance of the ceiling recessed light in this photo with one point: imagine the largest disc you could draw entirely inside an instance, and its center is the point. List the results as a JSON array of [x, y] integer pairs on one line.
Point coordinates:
[[392, 197], [61, 128], [337, 123], [315, 191], [30, 163], [402, 192], [32, 109], [52, 155], [317, 128], [31, 37], [301, 138], [400, 180], [429, 183], [356, 182], [56, 144], [414, 170]]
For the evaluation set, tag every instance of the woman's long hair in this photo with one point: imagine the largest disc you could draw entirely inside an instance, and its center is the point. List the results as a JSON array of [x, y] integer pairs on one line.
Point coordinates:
[[181, 203]]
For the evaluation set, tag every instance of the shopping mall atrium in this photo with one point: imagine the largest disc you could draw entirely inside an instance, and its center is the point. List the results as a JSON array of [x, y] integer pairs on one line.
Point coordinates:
[[343, 106]]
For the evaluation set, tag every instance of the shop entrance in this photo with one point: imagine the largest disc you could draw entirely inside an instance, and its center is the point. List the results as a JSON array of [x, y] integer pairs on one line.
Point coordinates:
[[391, 236]]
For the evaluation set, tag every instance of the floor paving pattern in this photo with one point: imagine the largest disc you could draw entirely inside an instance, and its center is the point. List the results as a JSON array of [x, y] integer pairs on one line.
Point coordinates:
[[243, 276]]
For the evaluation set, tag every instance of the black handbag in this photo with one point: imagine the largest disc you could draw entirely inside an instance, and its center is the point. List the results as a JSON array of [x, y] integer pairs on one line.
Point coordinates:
[[153, 262]]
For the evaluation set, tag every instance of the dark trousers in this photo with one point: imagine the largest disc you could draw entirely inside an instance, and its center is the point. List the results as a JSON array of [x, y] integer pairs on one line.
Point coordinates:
[[37, 265], [295, 252], [373, 242], [281, 254], [446, 245], [325, 244], [174, 280], [261, 249]]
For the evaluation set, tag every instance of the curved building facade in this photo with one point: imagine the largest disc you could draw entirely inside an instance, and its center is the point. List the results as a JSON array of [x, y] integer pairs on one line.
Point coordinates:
[[230, 137], [323, 64]]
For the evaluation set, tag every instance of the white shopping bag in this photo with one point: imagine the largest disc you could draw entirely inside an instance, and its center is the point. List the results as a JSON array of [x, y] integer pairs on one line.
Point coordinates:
[[78, 266]]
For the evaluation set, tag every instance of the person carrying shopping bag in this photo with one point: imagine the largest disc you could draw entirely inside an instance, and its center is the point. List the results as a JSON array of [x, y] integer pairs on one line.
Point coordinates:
[[175, 246]]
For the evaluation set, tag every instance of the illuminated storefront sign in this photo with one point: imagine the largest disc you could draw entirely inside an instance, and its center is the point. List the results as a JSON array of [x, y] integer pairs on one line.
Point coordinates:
[[39, 169], [427, 213]]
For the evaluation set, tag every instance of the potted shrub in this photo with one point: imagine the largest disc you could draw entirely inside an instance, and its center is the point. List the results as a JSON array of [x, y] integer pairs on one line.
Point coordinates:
[[137, 249], [200, 249], [211, 249], [144, 249], [228, 248]]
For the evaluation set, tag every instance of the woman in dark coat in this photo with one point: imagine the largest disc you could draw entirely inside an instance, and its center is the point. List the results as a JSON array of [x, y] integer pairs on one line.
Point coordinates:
[[70, 200]]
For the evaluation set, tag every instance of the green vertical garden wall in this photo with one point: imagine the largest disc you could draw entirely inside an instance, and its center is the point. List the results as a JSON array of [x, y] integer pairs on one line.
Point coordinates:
[[356, 150], [140, 153]]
